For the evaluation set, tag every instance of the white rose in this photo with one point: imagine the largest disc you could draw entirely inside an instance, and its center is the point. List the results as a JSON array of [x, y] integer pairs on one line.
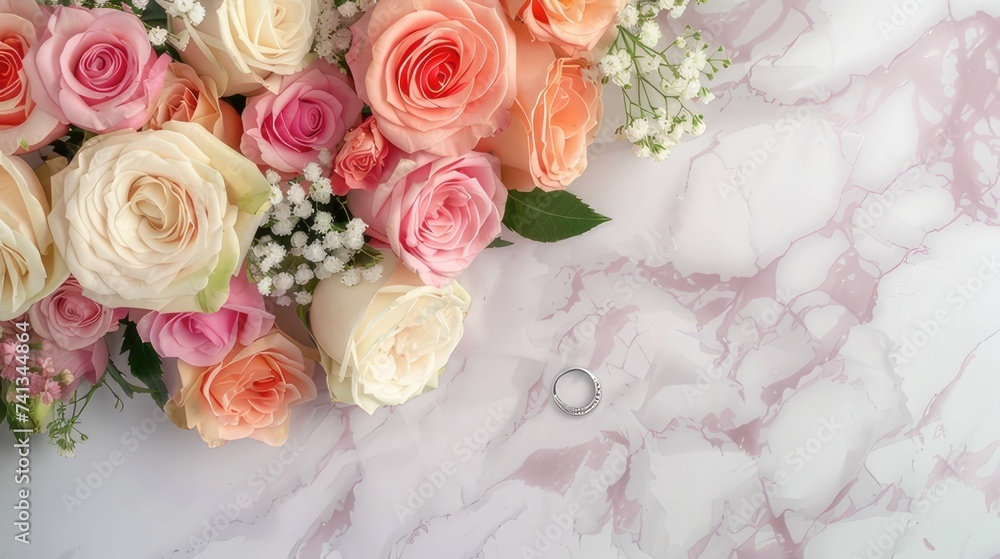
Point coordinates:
[[385, 342], [30, 267], [159, 219], [247, 45]]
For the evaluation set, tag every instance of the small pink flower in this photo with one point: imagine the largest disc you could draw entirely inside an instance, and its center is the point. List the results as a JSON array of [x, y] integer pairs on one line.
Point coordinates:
[[436, 213], [311, 111], [96, 69], [85, 364], [71, 319], [364, 157], [204, 339]]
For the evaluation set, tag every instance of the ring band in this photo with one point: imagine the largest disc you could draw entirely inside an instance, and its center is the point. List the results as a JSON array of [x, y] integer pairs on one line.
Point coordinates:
[[572, 410]]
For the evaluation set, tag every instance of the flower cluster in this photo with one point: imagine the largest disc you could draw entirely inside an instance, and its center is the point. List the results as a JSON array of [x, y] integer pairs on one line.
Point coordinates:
[[333, 33], [308, 237], [657, 82]]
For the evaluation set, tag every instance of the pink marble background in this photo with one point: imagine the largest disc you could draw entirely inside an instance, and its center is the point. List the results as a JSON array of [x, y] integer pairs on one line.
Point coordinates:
[[794, 320]]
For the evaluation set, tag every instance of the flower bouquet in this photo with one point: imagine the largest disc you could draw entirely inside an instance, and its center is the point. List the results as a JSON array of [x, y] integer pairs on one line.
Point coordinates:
[[233, 194]]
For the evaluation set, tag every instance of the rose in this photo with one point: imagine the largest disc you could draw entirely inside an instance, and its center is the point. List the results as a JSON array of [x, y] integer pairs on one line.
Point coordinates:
[[159, 219], [574, 25], [556, 117], [70, 319], [186, 97], [247, 45], [438, 75], [311, 111], [86, 363], [437, 213], [385, 342], [248, 394], [365, 155], [24, 126], [204, 339], [30, 266], [96, 69]]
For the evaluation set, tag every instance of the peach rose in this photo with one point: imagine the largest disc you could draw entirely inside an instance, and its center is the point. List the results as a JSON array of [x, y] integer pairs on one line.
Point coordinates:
[[573, 25], [187, 97], [557, 115], [249, 394], [24, 126], [364, 157], [438, 75]]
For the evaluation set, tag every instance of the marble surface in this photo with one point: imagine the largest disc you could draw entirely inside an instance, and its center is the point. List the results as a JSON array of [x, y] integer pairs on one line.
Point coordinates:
[[794, 320]]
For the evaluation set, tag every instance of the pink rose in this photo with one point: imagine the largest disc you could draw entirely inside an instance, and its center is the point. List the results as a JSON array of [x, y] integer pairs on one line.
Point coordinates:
[[436, 213], [250, 393], [204, 339], [22, 122], [72, 320], [187, 97], [86, 363], [438, 75], [573, 25], [96, 69], [311, 111], [364, 157]]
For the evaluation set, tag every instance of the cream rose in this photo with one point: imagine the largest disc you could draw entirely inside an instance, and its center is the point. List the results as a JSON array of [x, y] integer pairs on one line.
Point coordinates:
[[385, 342], [30, 267], [159, 219], [246, 46]]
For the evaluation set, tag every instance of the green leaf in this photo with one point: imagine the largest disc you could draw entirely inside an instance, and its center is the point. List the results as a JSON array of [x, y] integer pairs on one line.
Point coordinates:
[[498, 242], [144, 363], [549, 216]]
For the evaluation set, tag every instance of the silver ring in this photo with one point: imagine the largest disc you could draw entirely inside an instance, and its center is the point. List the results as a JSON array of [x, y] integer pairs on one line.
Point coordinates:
[[572, 410]]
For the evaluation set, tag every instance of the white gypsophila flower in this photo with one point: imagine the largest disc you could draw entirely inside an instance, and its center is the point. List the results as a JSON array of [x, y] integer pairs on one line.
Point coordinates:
[[687, 69], [661, 154], [698, 58], [282, 227], [629, 16], [322, 190], [325, 157], [372, 274], [277, 196], [183, 6], [343, 254], [296, 194], [354, 242], [304, 274], [649, 64], [300, 239], [140, 4], [638, 130], [265, 285], [348, 9], [356, 226], [680, 42], [180, 40], [196, 14], [322, 223], [697, 127], [313, 172], [322, 273], [649, 33], [303, 210], [315, 252], [342, 39], [157, 36], [678, 9], [351, 277], [303, 298], [272, 177], [705, 95], [642, 151], [281, 210], [100, 3], [691, 89], [284, 300], [296, 251], [333, 240], [593, 73], [333, 265], [283, 282]]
